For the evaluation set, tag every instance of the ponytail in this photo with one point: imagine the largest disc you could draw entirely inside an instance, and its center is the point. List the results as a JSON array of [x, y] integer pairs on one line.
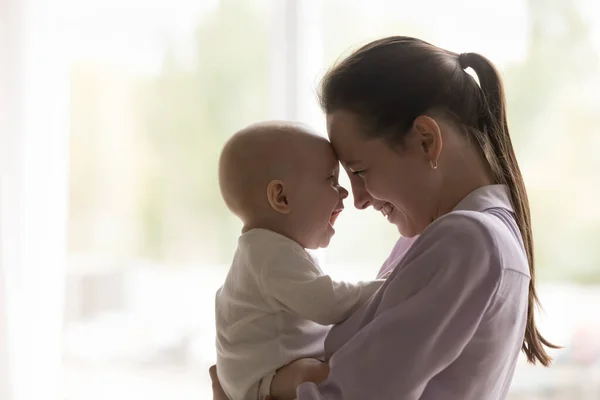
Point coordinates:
[[493, 135], [389, 82]]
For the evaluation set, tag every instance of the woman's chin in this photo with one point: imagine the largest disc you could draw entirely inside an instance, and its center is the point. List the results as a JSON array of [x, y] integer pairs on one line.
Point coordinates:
[[405, 228]]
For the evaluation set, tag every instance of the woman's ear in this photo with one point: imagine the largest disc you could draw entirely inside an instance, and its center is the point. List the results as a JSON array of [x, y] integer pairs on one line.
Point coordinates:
[[277, 197], [429, 137]]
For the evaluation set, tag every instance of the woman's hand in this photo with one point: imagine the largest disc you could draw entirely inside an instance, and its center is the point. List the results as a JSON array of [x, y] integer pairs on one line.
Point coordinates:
[[218, 392], [288, 378], [297, 372]]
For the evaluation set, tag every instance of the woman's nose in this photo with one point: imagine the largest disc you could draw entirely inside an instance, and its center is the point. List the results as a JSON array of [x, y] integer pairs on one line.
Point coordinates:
[[362, 198]]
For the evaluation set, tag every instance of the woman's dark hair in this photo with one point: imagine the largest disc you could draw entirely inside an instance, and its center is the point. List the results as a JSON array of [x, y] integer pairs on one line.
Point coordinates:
[[388, 83]]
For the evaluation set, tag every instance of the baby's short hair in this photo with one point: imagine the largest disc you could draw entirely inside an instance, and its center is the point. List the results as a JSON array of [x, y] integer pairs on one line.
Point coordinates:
[[255, 155]]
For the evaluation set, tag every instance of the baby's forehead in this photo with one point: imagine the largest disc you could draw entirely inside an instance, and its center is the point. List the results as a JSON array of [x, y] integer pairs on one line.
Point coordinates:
[[315, 142], [285, 141], [302, 138], [318, 154]]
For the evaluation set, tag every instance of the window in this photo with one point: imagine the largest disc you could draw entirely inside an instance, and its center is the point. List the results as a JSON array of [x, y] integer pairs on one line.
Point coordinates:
[[155, 90]]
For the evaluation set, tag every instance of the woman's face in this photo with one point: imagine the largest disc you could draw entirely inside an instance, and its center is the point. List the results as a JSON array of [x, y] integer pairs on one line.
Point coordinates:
[[395, 181]]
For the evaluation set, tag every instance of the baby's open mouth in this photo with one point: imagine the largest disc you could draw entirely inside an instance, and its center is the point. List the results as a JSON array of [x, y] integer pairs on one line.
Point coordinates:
[[334, 216]]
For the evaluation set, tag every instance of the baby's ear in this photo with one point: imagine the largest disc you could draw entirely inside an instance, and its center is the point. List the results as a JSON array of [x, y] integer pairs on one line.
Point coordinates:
[[277, 197]]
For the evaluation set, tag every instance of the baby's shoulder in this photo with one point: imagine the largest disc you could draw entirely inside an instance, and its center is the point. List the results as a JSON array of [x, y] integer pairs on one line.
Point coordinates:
[[263, 250]]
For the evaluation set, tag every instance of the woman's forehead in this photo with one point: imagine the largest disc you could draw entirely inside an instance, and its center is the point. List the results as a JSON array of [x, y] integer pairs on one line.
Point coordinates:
[[344, 132]]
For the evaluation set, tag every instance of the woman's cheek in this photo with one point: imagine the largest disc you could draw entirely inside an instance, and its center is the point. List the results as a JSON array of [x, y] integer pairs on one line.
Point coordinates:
[[373, 188]]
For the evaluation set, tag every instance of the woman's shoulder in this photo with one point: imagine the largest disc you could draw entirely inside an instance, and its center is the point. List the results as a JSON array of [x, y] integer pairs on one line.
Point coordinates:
[[471, 227], [466, 240], [481, 241], [458, 255]]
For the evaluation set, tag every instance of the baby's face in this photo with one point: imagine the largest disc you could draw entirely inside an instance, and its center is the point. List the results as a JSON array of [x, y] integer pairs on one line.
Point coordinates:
[[317, 198]]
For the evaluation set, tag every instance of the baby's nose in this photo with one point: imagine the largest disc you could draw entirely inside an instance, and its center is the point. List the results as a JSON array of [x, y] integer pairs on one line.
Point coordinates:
[[343, 192]]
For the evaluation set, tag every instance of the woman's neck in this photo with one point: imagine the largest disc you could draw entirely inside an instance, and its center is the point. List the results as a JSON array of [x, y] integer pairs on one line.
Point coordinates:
[[463, 175]]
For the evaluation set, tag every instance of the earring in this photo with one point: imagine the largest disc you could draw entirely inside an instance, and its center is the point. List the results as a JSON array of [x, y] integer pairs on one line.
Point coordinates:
[[433, 164]]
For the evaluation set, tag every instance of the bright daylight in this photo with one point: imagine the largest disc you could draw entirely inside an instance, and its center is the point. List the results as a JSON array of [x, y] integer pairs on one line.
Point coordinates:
[[115, 237]]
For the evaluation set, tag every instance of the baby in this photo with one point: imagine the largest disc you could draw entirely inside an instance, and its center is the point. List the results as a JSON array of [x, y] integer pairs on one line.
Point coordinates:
[[276, 304]]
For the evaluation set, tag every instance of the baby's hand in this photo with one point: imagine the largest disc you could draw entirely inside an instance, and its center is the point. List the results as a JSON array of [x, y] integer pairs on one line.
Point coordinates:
[[288, 378]]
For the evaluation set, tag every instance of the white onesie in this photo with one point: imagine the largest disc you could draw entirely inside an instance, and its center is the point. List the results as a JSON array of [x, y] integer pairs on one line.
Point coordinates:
[[275, 306]]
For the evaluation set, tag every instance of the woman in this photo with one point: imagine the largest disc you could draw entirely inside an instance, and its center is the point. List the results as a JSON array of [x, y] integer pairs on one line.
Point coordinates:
[[432, 146]]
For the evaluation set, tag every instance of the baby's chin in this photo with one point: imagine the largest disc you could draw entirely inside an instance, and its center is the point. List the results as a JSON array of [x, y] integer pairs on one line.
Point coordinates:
[[321, 245], [328, 235], [323, 241]]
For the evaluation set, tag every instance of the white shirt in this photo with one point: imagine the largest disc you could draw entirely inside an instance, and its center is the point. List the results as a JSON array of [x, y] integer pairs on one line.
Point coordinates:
[[275, 307]]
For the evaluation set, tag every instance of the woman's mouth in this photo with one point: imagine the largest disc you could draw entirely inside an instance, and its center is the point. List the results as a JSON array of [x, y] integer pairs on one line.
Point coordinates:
[[387, 209]]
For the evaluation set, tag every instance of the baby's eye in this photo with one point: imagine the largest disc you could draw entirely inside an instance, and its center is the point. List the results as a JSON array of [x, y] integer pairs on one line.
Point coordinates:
[[360, 173]]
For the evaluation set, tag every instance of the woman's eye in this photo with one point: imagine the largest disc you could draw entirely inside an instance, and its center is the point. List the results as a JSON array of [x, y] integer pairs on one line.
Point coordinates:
[[360, 173]]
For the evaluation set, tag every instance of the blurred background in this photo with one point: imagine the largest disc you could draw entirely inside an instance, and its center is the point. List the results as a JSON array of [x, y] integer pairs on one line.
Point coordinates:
[[150, 91]]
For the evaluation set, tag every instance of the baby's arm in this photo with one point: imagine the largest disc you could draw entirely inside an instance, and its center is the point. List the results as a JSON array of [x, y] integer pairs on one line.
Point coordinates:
[[297, 284]]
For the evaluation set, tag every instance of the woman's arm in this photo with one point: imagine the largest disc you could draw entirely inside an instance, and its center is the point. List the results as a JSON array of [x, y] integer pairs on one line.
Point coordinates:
[[421, 325]]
